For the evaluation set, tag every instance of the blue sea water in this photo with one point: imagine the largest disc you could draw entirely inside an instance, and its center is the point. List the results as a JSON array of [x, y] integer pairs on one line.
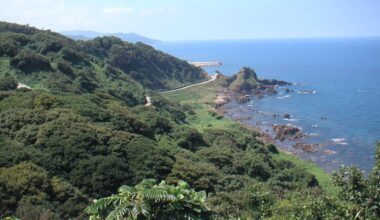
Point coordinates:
[[344, 111]]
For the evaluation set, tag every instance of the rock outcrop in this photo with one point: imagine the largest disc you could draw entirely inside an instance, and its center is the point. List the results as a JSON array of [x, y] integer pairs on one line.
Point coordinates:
[[306, 147], [243, 99], [246, 81], [288, 132]]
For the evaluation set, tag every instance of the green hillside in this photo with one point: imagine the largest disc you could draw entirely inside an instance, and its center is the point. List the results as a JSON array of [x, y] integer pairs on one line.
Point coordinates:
[[47, 60], [83, 129]]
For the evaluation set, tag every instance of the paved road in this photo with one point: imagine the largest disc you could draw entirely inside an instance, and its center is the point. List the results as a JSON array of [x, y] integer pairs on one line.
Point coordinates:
[[213, 77]]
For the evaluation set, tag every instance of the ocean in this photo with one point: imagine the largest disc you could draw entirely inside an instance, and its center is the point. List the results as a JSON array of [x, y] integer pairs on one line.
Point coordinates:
[[336, 98]]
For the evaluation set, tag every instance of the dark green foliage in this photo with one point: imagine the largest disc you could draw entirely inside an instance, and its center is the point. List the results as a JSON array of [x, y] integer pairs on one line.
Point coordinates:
[[73, 56], [362, 192], [200, 175], [16, 28], [152, 68], [146, 160], [100, 175], [65, 68], [221, 157], [187, 138], [233, 139], [293, 178], [251, 202], [10, 43], [85, 80], [7, 83], [310, 204], [28, 61], [27, 190]]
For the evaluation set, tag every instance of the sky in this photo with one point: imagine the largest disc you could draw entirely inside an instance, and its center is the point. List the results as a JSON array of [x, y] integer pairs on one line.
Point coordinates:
[[202, 19]]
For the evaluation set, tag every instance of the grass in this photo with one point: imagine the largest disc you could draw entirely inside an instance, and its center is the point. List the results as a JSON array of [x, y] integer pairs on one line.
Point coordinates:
[[201, 97]]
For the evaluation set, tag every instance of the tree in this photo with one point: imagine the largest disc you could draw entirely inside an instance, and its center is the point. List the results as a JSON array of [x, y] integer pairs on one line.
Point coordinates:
[[147, 200], [362, 192]]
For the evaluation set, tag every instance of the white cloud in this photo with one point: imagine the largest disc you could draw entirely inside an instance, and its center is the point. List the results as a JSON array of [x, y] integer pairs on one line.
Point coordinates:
[[148, 12], [118, 10]]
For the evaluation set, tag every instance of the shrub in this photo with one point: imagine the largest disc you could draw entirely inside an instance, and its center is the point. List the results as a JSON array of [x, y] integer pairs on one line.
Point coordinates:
[[65, 68], [7, 83], [30, 62], [73, 56], [188, 138], [200, 175]]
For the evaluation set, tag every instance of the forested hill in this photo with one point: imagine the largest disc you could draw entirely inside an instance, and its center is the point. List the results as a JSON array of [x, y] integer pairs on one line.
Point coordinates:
[[41, 56], [83, 129]]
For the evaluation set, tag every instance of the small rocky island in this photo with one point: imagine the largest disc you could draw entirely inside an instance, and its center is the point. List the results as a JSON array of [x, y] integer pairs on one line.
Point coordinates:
[[246, 83]]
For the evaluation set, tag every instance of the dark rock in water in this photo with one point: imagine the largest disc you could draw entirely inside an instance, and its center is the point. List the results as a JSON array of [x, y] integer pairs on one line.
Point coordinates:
[[306, 147], [323, 118], [260, 96], [274, 82], [287, 132], [275, 115], [287, 116], [243, 99], [288, 90], [271, 90]]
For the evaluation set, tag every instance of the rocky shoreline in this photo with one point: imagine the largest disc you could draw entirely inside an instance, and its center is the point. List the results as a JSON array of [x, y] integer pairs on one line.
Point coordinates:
[[280, 132], [245, 87]]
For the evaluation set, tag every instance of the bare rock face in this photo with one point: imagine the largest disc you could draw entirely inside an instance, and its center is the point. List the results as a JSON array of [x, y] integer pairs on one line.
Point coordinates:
[[243, 99], [329, 152], [306, 147], [289, 132]]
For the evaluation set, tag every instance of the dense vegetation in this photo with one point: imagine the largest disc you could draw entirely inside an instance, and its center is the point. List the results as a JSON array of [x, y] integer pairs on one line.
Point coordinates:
[[48, 60], [83, 130], [151, 201]]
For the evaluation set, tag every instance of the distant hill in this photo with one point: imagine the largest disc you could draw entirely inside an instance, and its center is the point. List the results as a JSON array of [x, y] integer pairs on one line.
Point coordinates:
[[88, 35]]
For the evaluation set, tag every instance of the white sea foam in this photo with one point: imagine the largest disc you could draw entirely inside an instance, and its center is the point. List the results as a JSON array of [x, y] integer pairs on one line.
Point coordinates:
[[315, 126], [283, 97], [304, 92], [313, 134], [340, 141], [290, 119]]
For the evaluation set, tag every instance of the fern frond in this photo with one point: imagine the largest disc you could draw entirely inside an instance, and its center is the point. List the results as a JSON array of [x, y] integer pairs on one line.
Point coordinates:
[[157, 194], [126, 190], [120, 212], [140, 208], [103, 204], [145, 184]]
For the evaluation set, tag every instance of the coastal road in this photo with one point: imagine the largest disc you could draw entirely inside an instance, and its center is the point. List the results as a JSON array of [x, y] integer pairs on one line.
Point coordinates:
[[213, 78]]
